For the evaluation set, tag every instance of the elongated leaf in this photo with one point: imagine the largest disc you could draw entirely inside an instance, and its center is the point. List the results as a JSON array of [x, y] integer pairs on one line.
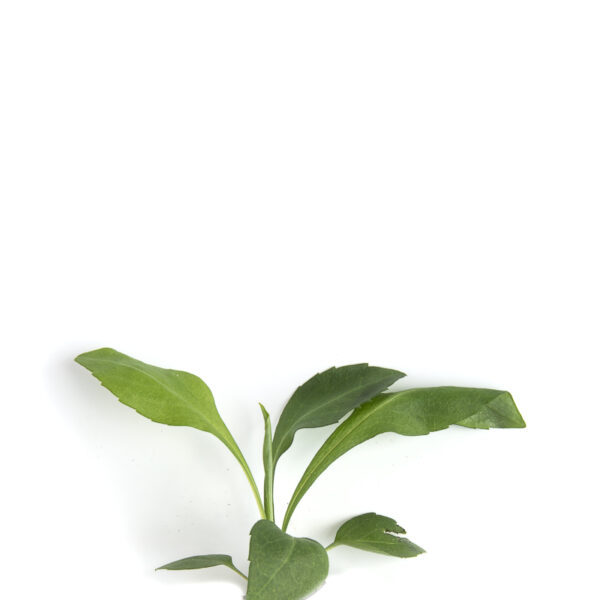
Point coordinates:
[[268, 465], [376, 533], [417, 411], [283, 567], [163, 395], [327, 397], [203, 562]]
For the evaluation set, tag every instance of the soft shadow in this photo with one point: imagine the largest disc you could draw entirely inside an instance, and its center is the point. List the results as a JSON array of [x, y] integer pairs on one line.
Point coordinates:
[[179, 490]]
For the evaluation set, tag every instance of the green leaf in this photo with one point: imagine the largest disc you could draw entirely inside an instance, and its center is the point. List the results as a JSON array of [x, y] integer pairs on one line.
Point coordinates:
[[268, 465], [327, 397], [163, 395], [376, 533], [500, 413], [283, 567], [203, 562], [417, 411]]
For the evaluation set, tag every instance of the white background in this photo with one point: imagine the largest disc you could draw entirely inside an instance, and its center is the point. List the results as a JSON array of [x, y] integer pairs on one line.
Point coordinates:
[[255, 191]]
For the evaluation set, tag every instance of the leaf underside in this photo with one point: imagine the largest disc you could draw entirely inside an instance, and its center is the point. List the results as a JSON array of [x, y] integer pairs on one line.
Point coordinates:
[[412, 412], [327, 397], [283, 567], [376, 533]]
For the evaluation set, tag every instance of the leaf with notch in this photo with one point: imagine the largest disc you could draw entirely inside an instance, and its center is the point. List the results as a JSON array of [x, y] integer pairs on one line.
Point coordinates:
[[375, 533], [283, 567], [203, 562], [325, 398], [417, 411]]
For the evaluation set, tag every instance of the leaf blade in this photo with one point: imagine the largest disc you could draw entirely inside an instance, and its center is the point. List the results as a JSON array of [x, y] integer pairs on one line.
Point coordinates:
[[203, 561], [326, 397], [283, 567], [417, 411], [376, 533], [164, 396], [268, 466]]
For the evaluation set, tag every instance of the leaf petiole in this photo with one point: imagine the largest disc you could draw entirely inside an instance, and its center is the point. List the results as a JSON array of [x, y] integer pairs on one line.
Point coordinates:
[[239, 573], [252, 483]]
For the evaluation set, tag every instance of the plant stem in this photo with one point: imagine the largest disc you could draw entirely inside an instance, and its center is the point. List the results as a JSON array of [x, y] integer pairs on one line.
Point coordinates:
[[233, 568], [253, 485], [269, 467]]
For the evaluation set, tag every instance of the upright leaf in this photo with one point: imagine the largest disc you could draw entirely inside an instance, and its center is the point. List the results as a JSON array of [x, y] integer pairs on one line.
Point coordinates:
[[203, 562], [268, 465], [411, 412], [376, 533], [163, 395], [283, 567], [327, 397]]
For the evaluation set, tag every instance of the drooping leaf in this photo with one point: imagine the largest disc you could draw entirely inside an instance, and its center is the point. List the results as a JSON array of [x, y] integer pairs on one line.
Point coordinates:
[[417, 411], [376, 533], [325, 398], [283, 567], [163, 395], [203, 562]]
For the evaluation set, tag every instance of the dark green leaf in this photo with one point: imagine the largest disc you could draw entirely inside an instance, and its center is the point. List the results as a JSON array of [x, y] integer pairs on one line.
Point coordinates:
[[203, 562], [327, 397], [375, 533], [411, 412], [283, 567]]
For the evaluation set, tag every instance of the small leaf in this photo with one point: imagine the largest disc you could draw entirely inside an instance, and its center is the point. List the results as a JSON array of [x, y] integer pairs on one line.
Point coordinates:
[[283, 567], [327, 397], [268, 465], [203, 562], [417, 411], [376, 533]]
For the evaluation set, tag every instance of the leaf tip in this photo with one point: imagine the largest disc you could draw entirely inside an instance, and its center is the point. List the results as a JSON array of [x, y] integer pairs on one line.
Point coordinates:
[[82, 358], [264, 411]]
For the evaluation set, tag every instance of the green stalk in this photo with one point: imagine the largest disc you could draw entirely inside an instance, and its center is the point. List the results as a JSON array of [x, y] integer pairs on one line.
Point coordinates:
[[288, 515], [234, 568], [268, 463], [253, 485]]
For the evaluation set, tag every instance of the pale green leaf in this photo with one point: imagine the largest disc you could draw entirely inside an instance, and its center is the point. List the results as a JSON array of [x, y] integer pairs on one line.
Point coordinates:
[[325, 398], [283, 567], [163, 395], [417, 411], [268, 466], [375, 533]]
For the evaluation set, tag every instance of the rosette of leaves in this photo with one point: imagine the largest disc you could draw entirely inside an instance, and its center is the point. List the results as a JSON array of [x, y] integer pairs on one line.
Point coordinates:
[[283, 567]]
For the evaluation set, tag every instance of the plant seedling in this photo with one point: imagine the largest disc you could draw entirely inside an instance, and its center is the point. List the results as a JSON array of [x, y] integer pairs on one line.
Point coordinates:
[[283, 567]]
